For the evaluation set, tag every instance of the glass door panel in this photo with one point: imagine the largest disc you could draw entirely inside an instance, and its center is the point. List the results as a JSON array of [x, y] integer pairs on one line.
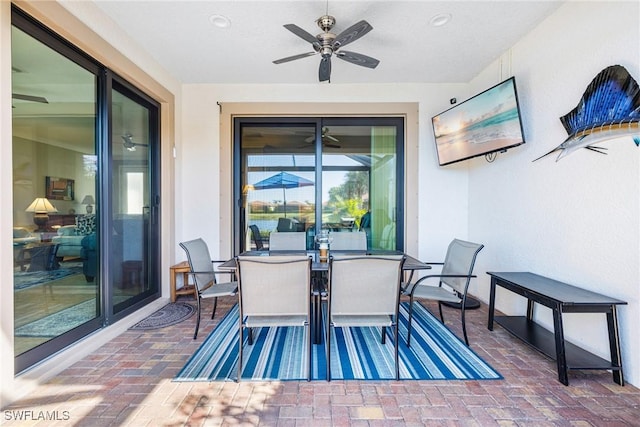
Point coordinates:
[[359, 170], [131, 195], [277, 181], [54, 189]]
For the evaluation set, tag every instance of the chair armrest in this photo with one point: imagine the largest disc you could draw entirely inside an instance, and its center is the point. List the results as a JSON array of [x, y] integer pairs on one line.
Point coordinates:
[[208, 272]]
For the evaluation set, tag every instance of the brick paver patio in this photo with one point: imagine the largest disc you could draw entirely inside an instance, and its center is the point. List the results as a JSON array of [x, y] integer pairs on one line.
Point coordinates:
[[128, 382]]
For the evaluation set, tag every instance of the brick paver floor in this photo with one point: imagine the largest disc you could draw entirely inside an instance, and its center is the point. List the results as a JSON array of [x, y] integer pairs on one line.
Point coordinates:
[[128, 382]]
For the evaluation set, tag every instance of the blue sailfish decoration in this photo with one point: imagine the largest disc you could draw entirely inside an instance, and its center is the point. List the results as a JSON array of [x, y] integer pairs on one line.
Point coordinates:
[[609, 108]]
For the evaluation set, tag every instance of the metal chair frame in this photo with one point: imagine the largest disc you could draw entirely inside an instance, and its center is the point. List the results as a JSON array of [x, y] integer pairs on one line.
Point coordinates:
[[364, 291], [204, 277], [459, 263]]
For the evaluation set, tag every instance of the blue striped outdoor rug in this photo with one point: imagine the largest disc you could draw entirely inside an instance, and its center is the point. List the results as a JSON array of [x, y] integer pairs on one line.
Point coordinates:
[[279, 353]]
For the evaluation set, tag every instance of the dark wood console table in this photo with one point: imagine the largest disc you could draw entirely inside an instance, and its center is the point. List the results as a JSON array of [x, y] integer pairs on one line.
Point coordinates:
[[560, 298]]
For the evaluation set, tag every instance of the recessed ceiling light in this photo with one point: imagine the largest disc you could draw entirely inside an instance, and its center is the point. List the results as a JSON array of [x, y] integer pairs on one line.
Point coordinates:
[[440, 19], [220, 21]]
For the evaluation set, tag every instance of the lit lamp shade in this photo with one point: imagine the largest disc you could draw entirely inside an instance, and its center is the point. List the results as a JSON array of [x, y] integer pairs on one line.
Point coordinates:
[[41, 207], [89, 201]]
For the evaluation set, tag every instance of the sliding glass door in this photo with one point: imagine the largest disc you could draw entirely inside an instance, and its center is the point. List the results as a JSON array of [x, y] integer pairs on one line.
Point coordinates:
[[55, 117], [85, 194], [133, 200], [311, 174]]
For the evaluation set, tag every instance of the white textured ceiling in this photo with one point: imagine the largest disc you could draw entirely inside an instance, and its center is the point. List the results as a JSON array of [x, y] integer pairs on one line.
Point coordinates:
[[179, 35]]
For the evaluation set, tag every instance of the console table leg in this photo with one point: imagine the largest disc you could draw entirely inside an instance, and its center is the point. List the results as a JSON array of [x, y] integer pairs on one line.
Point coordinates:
[[530, 309], [614, 345], [561, 355], [492, 303]]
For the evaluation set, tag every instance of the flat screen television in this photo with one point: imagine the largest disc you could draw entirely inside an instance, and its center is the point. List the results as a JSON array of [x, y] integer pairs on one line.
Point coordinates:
[[487, 123]]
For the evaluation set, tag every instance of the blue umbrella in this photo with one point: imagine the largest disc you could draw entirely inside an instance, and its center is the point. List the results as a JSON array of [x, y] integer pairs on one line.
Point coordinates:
[[283, 180]]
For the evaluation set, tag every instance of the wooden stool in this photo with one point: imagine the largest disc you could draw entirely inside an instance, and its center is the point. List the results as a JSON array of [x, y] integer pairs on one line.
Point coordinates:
[[131, 273], [187, 289]]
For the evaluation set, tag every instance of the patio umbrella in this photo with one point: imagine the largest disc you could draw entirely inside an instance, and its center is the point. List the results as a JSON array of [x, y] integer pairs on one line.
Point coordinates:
[[283, 180]]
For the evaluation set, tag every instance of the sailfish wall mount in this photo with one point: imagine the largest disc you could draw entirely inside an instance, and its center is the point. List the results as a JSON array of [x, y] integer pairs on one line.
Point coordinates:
[[609, 108]]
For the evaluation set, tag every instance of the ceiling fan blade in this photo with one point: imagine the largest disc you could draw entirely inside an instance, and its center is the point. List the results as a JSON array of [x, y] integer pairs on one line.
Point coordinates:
[[303, 34], [294, 57], [324, 73], [31, 98], [358, 59], [334, 139], [352, 33]]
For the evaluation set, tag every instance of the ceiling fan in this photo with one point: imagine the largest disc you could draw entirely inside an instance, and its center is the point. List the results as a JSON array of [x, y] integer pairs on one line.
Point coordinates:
[[23, 97], [127, 141], [31, 98], [326, 139], [327, 44]]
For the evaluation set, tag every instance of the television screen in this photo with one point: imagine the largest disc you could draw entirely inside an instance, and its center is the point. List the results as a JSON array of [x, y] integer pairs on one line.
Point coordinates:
[[486, 123]]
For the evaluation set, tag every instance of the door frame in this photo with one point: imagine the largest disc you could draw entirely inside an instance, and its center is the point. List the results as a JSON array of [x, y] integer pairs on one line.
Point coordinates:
[[229, 110]]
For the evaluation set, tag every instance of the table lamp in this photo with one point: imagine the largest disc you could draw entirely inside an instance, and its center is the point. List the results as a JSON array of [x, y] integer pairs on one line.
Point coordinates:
[[89, 201], [41, 207]]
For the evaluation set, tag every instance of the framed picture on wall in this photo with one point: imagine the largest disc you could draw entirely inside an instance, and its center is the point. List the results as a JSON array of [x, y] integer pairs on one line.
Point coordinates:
[[59, 188]]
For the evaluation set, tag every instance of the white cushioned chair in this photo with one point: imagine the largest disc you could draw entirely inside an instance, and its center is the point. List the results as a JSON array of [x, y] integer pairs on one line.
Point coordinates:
[[69, 242], [22, 236]]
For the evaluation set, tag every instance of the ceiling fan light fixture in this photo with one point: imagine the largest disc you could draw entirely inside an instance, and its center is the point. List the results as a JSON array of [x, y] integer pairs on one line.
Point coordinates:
[[220, 21], [440, 19]]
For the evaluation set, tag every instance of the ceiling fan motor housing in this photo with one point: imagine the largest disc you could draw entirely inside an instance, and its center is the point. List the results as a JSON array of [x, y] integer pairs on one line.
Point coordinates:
[[326, 22], [326, 46]]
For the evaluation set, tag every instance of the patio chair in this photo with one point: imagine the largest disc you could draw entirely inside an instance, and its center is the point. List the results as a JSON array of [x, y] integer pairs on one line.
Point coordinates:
[[204, 276], [345, 241], [287, 241], [456, 274], [257, 238], [364, 291], [274, 291], [287, 225]]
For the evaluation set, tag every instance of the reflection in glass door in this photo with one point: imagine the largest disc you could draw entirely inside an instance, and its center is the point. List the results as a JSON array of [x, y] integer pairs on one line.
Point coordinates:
[[345, 175], [278, 180], [359, 179], [85, 193], [132, 242], [56, 287]]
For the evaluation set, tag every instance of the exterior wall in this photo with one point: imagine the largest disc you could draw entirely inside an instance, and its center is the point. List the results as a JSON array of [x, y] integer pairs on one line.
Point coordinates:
[[576, 220], [207, 150]]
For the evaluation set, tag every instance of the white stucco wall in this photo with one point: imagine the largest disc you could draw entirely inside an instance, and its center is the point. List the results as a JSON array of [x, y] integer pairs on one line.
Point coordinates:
[[576, 220], [443, 193]]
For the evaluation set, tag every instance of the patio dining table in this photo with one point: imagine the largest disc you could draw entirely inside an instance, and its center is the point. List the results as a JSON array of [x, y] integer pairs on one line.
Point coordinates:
[[320, 269]]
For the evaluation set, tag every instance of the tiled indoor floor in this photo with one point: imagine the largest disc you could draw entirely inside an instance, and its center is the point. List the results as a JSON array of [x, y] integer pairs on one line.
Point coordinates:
[[128, 382]]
